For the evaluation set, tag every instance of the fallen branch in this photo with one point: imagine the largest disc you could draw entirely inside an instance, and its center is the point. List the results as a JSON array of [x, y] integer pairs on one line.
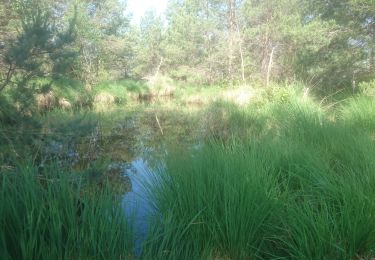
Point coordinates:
[[157, 120]]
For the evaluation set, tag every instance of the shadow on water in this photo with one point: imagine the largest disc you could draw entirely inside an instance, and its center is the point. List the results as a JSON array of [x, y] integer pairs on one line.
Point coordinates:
[[136, 203]]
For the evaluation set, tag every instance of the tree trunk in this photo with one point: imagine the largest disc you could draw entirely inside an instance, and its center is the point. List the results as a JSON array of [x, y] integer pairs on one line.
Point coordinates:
[[269, 68], [8, 77], [232, 30], [209, 46], [158, 67], [241, 55]]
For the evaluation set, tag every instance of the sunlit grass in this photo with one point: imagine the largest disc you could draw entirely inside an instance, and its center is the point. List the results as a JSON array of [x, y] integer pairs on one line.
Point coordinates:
[[359, 112], [302, 191]]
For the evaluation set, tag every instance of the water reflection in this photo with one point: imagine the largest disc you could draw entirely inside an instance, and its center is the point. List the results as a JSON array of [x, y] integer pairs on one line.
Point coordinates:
[[136, 204]]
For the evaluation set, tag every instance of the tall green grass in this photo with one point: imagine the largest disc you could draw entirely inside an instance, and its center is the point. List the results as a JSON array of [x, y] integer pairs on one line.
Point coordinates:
[[359, 113], [46, 215], [302, 190]]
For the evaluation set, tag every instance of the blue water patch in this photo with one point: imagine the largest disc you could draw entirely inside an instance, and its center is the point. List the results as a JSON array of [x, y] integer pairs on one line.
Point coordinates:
[[136, 203]]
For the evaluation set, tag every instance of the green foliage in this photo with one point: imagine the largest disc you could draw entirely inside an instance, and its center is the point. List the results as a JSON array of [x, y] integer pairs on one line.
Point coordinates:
[[46, 215], [195, 45], [149, 52], [8, 113], [102, 40], [348, 56], [329, 45], [40, 41]]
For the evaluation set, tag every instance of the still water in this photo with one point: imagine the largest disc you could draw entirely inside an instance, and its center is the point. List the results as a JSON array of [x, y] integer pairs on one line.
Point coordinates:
[[136, 203]]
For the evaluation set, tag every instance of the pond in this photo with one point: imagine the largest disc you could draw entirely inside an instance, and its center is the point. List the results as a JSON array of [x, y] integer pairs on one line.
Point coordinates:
[[136, 203], [133, 145]]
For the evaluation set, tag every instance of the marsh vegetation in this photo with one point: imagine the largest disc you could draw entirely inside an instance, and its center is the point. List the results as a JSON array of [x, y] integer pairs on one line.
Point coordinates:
[[187, 136]]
